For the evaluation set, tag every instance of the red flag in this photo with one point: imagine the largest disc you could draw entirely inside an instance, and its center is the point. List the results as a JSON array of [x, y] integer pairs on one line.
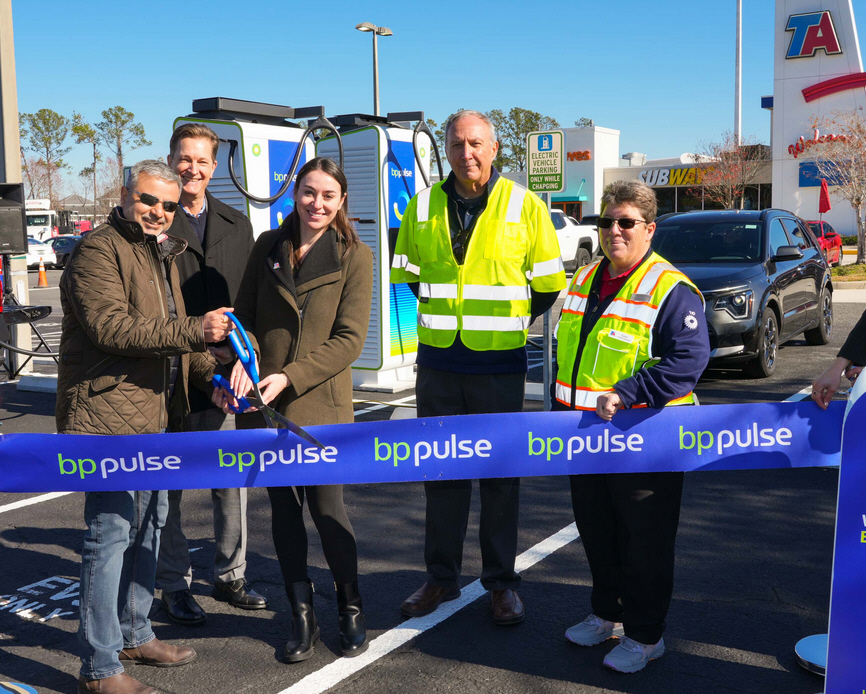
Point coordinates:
[[824, 200]]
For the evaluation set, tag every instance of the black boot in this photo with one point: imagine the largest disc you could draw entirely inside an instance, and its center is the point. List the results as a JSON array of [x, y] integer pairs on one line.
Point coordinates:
[[305, 630], [353, 632]]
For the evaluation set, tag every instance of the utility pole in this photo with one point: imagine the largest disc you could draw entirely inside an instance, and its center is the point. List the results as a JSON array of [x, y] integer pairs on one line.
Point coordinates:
[[11, 192], [738, 80], [10, 163]]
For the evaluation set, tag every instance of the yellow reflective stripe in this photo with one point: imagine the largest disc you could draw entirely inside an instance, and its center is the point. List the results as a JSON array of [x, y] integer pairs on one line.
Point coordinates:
[[652, 277], [496, 323], [432, 322], [574, 303], [437, 291], [423, 209], [632, 312], [581, 276], [547, 267], [483, 292], [515, 204]]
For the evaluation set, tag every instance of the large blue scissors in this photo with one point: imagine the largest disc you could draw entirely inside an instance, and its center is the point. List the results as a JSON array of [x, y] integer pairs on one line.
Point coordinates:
[[247, 356]]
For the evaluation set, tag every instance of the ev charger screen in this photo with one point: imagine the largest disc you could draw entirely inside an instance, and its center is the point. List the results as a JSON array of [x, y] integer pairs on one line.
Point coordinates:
[[280, 154], [401, 189]]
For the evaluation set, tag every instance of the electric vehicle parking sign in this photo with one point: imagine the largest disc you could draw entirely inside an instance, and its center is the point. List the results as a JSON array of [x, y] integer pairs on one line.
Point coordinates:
[[545, 161]]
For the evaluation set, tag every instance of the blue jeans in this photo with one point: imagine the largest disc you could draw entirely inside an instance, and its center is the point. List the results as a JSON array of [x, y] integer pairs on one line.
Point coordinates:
[[118, 568]]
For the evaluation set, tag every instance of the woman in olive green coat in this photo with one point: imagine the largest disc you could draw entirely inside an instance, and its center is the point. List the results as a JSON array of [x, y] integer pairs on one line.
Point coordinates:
[[305, 302]]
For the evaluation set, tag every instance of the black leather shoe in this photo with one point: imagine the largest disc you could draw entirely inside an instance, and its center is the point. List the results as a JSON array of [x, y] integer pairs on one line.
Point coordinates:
[[239, 594], [181, 607]]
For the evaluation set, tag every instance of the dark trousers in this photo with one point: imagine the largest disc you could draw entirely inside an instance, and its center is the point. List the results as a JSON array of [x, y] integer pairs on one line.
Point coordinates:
[[628, 524], [335, 530], [443, 393]]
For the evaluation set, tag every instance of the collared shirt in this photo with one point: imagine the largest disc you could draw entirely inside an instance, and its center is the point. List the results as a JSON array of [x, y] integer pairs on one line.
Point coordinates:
[[198, 222]]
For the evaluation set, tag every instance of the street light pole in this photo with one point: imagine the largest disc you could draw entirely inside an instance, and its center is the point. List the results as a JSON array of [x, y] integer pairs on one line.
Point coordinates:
[[375, 76], [376, 31]]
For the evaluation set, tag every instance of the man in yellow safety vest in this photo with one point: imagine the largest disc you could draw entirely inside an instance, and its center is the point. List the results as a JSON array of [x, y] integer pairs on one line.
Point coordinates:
[[481, 255], [632, 334]]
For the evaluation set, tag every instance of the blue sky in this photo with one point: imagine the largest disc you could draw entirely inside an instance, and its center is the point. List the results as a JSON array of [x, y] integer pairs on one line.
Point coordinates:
[[660, 72]]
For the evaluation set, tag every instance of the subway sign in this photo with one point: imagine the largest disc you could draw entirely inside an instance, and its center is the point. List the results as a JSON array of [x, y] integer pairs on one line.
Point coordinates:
[[684, 176], [811, 32]]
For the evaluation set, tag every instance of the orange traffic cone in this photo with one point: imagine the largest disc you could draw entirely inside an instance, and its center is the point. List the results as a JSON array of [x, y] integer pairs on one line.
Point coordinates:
[[43, 277]]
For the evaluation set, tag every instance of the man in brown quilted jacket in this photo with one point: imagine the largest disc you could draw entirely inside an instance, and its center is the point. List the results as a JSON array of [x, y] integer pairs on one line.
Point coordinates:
[[127, 350]]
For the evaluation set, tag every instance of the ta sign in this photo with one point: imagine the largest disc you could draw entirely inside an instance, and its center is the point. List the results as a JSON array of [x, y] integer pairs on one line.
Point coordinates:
[[545, 161]]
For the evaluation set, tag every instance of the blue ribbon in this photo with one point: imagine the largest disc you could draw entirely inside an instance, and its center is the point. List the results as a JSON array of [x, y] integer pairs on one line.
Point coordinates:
[[720, 437]]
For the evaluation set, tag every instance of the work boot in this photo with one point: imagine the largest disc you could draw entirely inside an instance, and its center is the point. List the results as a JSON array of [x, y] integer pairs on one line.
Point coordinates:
[[117, 684], [305, 629], [353, 632], [159, 654]]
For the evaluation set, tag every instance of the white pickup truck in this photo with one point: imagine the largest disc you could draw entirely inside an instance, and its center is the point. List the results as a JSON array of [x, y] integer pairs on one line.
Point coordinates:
[[578, 243]]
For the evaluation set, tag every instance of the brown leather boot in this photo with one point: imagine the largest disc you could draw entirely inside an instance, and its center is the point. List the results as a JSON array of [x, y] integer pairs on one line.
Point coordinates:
[[159, 654], [118, 684]]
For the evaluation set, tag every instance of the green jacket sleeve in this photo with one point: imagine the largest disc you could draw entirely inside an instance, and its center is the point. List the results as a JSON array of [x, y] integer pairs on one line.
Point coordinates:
[[406, 266], [545, 261]]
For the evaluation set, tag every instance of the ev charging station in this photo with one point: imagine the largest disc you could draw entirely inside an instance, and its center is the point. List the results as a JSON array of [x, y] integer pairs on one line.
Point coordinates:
[[258, 146], [387, 164]]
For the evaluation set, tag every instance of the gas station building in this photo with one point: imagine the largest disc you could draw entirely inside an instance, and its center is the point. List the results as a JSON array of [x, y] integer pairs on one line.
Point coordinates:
[[818, 71]]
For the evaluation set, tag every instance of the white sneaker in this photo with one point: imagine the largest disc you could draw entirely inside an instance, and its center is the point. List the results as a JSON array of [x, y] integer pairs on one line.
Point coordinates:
[[632, 656], [593, 631]]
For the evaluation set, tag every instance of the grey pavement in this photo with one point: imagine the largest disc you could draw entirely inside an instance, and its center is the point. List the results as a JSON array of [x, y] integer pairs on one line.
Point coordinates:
[[753, 577]]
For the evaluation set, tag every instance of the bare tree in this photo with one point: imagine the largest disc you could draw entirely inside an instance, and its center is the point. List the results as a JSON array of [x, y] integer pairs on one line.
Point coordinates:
[[46, 131], [120, 133], [840, 159], [732, 167], [37, 175], [108, 184]]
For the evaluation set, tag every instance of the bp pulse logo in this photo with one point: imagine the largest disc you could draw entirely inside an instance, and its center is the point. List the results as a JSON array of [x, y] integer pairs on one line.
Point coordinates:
[[16, 687], [810, 33]]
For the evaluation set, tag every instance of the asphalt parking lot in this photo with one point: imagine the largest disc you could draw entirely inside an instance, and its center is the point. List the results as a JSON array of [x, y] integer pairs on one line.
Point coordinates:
[[753, 577]]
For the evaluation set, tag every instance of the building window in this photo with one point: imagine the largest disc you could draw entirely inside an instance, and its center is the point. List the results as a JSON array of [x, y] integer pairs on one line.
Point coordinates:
[[571, 207], [766, 195], [687, 201], [666, 200]]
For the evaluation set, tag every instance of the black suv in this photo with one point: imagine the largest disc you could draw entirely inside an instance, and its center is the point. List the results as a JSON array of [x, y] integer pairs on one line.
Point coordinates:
[[762, 275]]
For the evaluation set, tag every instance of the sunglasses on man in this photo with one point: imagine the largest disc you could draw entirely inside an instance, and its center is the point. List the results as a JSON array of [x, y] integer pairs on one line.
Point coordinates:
[[622, 222], [152, 201]]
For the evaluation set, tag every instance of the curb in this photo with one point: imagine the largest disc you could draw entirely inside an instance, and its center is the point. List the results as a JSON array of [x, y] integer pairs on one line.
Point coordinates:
[[38, 383], [852, 284]]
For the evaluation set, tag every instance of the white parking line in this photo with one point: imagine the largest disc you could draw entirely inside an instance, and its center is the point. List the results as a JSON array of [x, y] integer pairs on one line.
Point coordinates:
[[33, 500], [334, 673], [382, 407], [804, 394]]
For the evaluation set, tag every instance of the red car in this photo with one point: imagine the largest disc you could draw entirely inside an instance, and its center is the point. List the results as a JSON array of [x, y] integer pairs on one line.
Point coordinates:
[[829, 240]]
